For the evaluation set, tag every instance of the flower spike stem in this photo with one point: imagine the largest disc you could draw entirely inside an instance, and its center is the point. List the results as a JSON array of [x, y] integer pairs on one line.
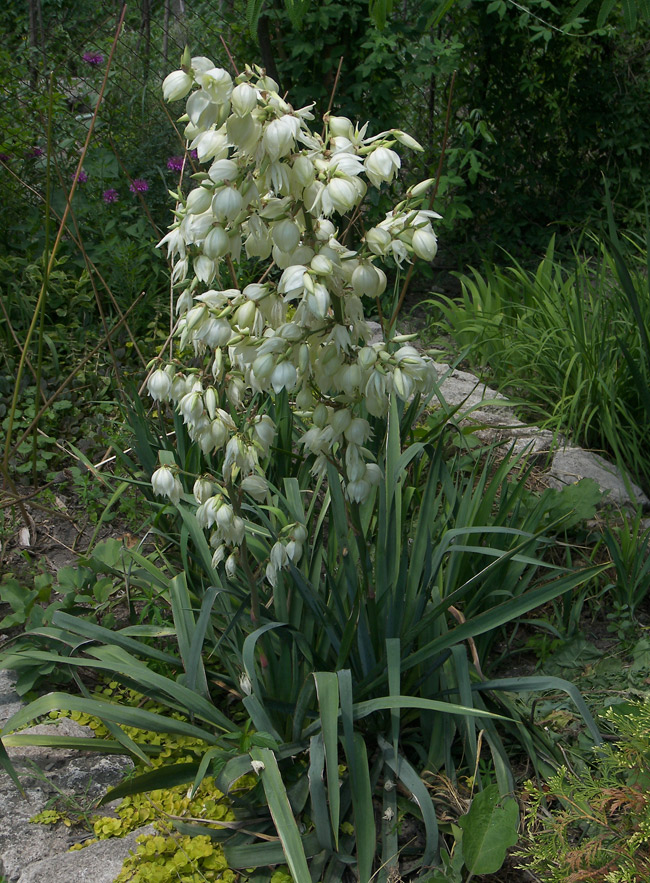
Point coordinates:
[[335, 86]]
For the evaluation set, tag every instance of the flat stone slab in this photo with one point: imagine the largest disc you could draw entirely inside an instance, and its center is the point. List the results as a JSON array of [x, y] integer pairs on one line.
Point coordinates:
[[572, 464], [97, 863], [39, 853]]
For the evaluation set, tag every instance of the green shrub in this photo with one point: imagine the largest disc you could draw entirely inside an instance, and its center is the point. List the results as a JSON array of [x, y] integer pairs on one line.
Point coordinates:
[[595, 825]]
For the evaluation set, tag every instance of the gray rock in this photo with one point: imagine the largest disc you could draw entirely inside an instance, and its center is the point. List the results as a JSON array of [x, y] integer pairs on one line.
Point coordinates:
[[20, 841], [9, 700], [38, 852], [571, 464], [98, 863], [465, 391]]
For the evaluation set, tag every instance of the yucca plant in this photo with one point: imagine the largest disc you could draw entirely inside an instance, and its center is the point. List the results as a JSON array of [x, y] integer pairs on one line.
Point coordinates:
[[356, 662], [329, 574]]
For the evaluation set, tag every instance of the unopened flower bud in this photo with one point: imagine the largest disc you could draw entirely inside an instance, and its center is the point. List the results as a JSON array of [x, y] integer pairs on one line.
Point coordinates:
[[425, 244], [320, 415]]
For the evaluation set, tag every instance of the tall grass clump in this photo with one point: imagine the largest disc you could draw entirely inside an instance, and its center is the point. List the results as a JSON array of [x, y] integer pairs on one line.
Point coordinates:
[[573, 342]]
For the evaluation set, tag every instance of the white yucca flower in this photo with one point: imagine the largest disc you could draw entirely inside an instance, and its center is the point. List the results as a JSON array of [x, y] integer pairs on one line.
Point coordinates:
[[159, 385], [176, 85], [382, 165], [165, 483], [243, 99], [280, 136], [275, 188]]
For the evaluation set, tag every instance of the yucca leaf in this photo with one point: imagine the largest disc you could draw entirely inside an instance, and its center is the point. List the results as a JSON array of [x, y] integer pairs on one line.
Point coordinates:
[[162, 778], [7, 765], [282, 814], [543, 683], [508, 611], [76, 743], [327, 690], [361, 791], [320, 813], [256, 855], [407, 775], [75, 626], [123, 715], [185, 625]]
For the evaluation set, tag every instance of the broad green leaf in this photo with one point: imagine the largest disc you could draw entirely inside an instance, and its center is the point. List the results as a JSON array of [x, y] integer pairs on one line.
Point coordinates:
[[357, 759], [489, 829], [256, 855], [185, 624], [408, 776], [6, 764], [83, 628]]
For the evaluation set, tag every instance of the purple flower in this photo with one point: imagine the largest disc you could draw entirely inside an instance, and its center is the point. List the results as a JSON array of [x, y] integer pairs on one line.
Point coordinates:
[[194, 154], [139, 185], [36, 151], [110, 196], [175, 163], [4, 157], [93, 58], [83, 177]]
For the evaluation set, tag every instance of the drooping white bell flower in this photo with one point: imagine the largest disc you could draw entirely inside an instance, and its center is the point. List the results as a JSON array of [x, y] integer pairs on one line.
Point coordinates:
[[243, 99], [165, 483], [198, 200], [280, 136], [216, 82], [425, 243], [284, 376], [202, 110], [340, 195], [176, 85], [226, 204], [286, 235], [217, 243], [159, 385], [382, 165]]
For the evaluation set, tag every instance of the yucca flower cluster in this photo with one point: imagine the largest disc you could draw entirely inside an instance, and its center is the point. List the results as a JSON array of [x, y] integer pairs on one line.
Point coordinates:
[[275, 190]]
